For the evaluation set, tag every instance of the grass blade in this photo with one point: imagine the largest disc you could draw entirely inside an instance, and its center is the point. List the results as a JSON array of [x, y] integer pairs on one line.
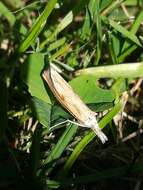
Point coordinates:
[[61, 145], [134, 29], [37, 27], [61, 26], [88, 138], [7, 14], [114, 71], [125, 32]]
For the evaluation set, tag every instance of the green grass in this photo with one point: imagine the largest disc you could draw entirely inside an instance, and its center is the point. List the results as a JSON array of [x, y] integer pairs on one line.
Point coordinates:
[[97, 47]]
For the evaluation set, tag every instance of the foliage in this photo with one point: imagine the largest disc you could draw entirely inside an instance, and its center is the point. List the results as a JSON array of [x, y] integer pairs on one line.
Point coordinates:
[[97, 47]]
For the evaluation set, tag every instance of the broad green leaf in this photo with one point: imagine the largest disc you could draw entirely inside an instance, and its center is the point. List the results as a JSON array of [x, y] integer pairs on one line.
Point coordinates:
[[32, 76], [42, 111], [100, 107], [89, 92], [59, 113]]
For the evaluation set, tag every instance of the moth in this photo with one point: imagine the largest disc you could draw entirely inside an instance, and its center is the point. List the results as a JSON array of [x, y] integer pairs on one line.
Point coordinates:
[[64, 93]]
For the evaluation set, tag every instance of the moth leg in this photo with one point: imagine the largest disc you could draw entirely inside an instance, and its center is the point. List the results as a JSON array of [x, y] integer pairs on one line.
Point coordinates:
[[57, 126]]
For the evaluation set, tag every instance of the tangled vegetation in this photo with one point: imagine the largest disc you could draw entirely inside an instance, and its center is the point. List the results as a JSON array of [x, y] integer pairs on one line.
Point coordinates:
[[96, 45]]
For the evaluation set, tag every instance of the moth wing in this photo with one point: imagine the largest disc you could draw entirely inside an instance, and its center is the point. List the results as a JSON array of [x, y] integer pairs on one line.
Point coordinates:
[[66, 96], [72, 102]]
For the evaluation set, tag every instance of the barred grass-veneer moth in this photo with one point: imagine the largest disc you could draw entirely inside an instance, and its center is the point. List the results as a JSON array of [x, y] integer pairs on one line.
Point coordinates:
[[72, 102]]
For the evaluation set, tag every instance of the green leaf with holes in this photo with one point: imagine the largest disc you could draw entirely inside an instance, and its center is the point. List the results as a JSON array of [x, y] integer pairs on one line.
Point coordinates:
[[86, 87]]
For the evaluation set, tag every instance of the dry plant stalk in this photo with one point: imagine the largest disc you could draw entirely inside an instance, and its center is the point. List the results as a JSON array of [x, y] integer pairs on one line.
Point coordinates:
[[72, 102]]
